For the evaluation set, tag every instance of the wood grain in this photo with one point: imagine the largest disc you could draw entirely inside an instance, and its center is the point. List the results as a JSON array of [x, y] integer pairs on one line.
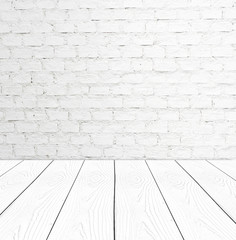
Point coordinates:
[[17, 180], [229, 167], [141, 212], [32, 215], [6, 165], [198, 217], [88, 211], [217, 184]]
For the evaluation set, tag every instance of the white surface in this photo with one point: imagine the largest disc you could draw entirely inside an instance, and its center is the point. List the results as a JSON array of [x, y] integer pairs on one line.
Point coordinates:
[[228, 167], [141, 212], [34, 212], [6, 165], [88, 212], [217, 184], [198, 217], [18, 179], [71, 201], [152, 78]]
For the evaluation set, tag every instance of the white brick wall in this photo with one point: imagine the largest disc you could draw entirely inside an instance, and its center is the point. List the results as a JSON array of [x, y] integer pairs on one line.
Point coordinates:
[[126, 79]]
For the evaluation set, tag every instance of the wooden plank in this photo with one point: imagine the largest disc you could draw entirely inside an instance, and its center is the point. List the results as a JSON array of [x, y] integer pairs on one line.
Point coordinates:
[[18, 179], [198, 217], [141, 212], [217, 184], [32, 215], [6, 165], [228, 167], [88, 211]]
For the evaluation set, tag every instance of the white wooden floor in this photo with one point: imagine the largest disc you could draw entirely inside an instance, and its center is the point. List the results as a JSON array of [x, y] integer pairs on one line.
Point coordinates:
[[117, 200]]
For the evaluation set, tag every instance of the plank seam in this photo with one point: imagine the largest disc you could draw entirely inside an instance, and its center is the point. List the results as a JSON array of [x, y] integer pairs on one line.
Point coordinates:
[[26, 187], [65, 200], [221, 170], [11, 168], [206, 192], [164, 200]]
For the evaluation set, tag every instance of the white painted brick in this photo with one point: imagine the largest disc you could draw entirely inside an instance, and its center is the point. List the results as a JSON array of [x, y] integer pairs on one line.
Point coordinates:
[[155, 27], [168, 115], [90, 151], [201, 102], [26, 127], [79, 14], [140, 65], [165, 14], [124, 115], [230, 115], [47, 102], [4, 52], [11, 40], [13, 138], [178, 102], [125, 79], [169, 139], [125, 140], [102, 139], [224, 102], [48, 127], [99, 90], [156, 127], [6, 127], [113, 152], [32, 40], [64, 27], [131, 51], [59, 138], [36, 138], [54, 40], [203, 152], [69, 4], [146, 140], [229, 13], [44, 52], [68, 126], [154, 51], [67, 151], [87, 27], [22, 53], [179, 152], [156, 102], [80, 140], [9, 66], [211, 13], [226, 152], [131, 27], [146, 115], [133, 103], [12, 90], [165, 65], [55, 90], [24, 150], [212, 115], [157, 152], [46, 150], [133, 152], [14, 115], [102, 115], [54, 65], [6, 151], [80, 115], [57, 115]]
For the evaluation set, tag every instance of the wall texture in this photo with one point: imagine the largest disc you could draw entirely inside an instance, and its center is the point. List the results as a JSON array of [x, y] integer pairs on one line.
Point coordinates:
[[125, 79]]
